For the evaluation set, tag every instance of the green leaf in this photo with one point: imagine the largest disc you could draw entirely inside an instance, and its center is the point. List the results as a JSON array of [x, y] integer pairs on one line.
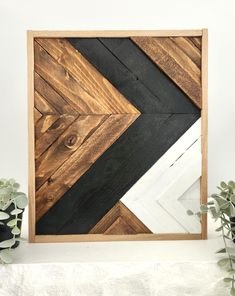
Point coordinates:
[[220, 251], [5, 256], [7, 243], [219, 228], [3, 215], [232, 198], [15, 230], [190, 213], [223, 262], [21, 201], [223, 184], [12, 223], [230, 250], [16, 212], [5, 191], [228, 280], [231, 183], [231, 271], [232, 210]]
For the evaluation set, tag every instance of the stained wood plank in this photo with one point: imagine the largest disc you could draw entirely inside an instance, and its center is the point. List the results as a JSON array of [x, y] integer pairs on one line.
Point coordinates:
[[55, 100], [189, 49], [197, 41], [145, 86], [52, 133], [81, 160], [44, 123], [42, 105], [175, 63], [65, 146], [37, 115], [98, 95], [119, 220], [112, 175]]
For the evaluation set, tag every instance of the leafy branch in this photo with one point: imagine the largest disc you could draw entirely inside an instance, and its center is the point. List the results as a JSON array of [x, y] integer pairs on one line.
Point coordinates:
[[11, 218], [221, 205]]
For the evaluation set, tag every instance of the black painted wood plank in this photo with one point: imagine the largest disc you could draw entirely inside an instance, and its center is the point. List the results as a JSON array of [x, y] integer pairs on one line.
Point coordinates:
[[114, 173], [134, 75]]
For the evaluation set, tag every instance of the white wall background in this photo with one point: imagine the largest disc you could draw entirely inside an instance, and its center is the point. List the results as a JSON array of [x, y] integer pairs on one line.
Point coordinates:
[[18, 16]]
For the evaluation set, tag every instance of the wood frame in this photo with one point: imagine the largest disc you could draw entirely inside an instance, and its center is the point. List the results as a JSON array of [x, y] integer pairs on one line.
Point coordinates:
[[31, 175]]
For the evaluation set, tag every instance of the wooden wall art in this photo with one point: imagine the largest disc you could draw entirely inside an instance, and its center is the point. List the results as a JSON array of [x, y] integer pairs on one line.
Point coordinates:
[[117, 135]]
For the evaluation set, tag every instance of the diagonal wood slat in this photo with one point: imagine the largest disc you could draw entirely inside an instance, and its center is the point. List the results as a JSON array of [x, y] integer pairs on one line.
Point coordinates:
[[79, 81], [52, 97], [81, 160], [175, 63]]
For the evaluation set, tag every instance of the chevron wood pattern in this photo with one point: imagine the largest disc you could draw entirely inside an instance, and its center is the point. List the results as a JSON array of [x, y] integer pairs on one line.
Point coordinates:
[[117, 135], [119, 220]]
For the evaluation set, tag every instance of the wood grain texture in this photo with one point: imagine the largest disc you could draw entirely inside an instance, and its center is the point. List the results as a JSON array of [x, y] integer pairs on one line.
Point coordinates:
[[112, 174], [119, 220], [204, 178], [44, 123], [81, 160], [65, 146], [113, 33], [43, 106], [31, 128], [45, 140], [52, 97], [37, 115], [175, 63], [80, 82], [145, 86]]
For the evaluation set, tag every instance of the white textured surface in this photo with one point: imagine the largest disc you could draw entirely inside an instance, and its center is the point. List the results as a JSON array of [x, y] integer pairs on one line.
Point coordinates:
[[112, 279], [156, 198]]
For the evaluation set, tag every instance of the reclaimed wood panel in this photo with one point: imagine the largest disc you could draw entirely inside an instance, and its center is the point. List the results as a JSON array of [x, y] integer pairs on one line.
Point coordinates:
[[106, 113]]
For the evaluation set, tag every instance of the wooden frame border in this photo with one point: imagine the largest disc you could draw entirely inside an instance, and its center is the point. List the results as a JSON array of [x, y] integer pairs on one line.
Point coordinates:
[[31, 166]]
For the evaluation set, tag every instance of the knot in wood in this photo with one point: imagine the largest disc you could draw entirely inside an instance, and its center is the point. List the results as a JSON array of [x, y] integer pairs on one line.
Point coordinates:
[[70, 141]]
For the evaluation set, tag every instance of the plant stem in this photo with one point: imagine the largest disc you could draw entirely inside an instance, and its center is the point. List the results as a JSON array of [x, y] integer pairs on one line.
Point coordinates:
[[229, 255]]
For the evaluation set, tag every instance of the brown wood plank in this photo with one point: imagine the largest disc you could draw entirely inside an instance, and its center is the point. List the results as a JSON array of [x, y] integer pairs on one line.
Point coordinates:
[[197, 41], [189, 49], [66, 145], [44, 123], [175, 63], [37, 115], [55, 100], [81, 160], [42, 105], [90, 80], [52, 133], [119, 220]]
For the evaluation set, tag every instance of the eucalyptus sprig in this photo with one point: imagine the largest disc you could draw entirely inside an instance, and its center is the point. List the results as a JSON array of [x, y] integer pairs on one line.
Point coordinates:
[[9, 195], [221, 205]]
